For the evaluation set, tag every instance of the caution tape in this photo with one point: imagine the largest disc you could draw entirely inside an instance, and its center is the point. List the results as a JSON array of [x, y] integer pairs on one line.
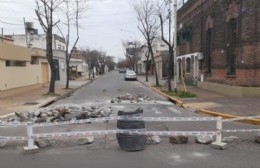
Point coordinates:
[[242, 130], [240, 118], [13, 138], [154, 119], [128, 132], [12, 124], [90, 120]]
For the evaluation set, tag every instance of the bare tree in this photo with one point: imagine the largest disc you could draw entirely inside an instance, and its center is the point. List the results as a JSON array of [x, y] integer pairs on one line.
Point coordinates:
[[72, 11], [45, 10], [163, 16], [132, 52], [147, 56], [147, 17]]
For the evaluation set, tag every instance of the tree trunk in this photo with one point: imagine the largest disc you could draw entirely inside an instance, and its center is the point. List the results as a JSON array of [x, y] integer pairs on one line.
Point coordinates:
[[146, 69], [68, 76], [153, 61], [50, 61]]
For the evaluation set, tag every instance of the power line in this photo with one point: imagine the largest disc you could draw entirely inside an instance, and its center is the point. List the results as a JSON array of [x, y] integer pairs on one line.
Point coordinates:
[[8, 23]]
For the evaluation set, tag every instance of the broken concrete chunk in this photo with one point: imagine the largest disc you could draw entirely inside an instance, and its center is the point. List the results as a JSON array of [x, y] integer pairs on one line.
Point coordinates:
[[2, 142], [86, 140], [178, 139], [204, 139], [43, 143], [152, 140], [257, 138], [230, 139]]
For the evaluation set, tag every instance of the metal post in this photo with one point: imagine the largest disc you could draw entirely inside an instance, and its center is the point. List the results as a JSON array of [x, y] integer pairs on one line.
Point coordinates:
[[2, 34], [31, 148], [175, 46]]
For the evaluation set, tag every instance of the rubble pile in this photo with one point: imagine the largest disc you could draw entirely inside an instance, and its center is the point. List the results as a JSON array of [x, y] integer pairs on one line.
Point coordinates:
[[62, 113], [132, 98]]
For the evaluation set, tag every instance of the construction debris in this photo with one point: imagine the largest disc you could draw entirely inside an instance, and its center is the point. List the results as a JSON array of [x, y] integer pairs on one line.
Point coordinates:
[[204, 139], [86, 140], [2, 143], [257, 138], [230, 139], [131, 98], [153, 140], [62, 113], [178, 139]]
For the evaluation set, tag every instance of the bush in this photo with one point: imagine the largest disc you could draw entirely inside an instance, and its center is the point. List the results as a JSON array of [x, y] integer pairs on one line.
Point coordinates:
[[181, 94]]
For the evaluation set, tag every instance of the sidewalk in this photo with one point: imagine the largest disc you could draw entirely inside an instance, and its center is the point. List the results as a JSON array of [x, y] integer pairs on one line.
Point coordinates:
[[208, 101], [25, 99]]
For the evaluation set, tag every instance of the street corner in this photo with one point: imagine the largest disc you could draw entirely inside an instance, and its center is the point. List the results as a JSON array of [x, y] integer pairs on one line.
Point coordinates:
[[200, 105], [244, 119]]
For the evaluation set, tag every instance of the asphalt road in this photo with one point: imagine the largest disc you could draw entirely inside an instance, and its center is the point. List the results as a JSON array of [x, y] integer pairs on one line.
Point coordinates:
[[105, 152]]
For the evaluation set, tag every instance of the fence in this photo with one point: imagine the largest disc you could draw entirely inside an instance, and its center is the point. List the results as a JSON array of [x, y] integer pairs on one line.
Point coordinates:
[[31, 136]]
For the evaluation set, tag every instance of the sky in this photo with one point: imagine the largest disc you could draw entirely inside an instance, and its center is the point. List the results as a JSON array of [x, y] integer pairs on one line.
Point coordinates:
[[105, 25]]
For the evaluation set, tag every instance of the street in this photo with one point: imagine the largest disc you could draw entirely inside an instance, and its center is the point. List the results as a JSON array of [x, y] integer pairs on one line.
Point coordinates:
[[105, 152]]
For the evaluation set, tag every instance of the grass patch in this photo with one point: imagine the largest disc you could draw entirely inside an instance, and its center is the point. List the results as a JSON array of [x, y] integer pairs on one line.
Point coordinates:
[[180, 94]]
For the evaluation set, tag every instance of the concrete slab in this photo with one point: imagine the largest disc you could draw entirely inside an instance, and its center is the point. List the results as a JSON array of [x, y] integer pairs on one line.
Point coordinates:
[[30, 150]]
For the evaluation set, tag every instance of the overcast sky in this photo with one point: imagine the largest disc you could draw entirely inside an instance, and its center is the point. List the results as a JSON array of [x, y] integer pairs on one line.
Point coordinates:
[[106, 23]]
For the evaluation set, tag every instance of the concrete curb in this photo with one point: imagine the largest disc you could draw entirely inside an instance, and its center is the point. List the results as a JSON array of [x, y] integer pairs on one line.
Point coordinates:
[[172, 99], [65, 95], [54, 99], [202, 111], [227, 116]]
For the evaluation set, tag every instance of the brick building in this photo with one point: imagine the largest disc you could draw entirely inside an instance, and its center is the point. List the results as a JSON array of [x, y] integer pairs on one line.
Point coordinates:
[[221, 40]]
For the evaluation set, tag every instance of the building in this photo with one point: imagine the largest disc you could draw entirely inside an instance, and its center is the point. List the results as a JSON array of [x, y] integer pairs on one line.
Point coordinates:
[[38, 41], [21, 67], [219, 42], [161, 57]]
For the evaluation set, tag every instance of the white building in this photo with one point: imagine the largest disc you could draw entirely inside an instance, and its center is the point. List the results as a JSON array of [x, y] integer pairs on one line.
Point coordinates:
[[38, 41]]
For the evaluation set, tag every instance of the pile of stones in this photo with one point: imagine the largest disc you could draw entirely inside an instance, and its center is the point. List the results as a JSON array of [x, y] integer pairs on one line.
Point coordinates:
[[131, 98], [61, 113]]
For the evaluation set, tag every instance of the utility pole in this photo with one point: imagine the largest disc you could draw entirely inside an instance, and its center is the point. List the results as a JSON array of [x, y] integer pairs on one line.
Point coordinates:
[[2, 34], [175, 46], [170, 59]]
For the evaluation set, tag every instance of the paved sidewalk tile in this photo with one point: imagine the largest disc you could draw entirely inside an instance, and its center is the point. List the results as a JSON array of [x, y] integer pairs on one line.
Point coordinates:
[[242, 106], [21, 101]]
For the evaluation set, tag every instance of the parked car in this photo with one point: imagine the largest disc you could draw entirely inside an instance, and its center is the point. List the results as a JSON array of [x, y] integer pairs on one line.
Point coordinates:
[[130, 75], [121, 70]]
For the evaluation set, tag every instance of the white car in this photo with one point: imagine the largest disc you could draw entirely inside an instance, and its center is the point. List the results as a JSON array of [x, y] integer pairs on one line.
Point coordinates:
[[130, 74]]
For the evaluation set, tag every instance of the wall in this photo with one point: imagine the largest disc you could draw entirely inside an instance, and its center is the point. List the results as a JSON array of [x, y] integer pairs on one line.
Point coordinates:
[[14, 77], [200, 15]]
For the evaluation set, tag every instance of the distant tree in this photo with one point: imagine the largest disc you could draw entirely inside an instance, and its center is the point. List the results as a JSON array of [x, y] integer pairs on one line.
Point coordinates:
[[72, 11], [45, 10], [163, 15], [131, 50], [110, 63], [147, 16]]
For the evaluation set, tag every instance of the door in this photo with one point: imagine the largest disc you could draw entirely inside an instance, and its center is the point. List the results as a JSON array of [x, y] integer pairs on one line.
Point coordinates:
[[57, 69], [45, 72]]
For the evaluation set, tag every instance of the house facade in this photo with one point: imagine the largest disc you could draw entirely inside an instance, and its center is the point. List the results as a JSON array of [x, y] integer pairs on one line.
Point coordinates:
[[219, 42], [38, 41], [21, 67]]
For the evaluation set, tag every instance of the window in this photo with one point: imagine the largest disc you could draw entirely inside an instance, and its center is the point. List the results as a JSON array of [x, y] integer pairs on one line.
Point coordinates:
[[231, 70], [9, 63], [34, 60], [232, 42], [188, 65], [208, 51]]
